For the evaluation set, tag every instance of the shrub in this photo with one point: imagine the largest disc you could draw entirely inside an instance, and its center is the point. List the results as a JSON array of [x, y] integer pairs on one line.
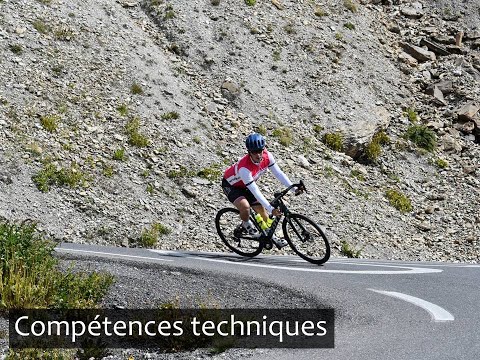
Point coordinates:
[[50, 175], [357, 174], [135, 138], [350, 5], [29, 277], [41, 26], [319, 11], [277, 55], [441, 163], [119, 154], [170, 115], [411, 114], [399, 201], [250, 2], [374, 149], [348, 251], [16, 49], [122, 109], [211, 173], [334, 141], [215, 2], [150, 236], [262, 130], [284, 135], [49, 122], [136, 89], [317, 128], [349, 26], [421, 136]]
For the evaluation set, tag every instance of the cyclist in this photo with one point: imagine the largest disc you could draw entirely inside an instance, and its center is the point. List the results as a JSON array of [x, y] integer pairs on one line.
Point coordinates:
[[239, 185]]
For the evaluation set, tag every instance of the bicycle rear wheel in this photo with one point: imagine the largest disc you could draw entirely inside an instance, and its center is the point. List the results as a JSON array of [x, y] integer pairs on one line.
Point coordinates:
[[306, 238], [227, 222]]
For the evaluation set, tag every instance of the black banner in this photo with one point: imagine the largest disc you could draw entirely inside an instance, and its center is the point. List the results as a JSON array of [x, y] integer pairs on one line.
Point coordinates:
[[170, 329]]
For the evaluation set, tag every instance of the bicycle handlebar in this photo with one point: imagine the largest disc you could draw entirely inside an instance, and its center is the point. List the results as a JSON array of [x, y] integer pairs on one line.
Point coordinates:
[[281, 194]]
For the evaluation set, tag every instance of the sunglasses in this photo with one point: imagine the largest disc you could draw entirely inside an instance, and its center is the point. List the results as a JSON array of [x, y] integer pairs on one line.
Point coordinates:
[[256, 152]]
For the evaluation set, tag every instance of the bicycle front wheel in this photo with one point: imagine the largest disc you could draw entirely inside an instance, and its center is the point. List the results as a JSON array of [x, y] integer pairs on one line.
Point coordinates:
[[306, 238], [227, 222]]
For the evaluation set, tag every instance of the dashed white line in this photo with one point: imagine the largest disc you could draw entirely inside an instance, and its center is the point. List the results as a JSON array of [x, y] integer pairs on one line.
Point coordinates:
[[438, 313], [111, 254], [411, 270]]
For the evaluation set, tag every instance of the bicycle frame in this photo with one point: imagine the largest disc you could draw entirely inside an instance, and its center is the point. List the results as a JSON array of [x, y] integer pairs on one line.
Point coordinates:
[[266, 236]]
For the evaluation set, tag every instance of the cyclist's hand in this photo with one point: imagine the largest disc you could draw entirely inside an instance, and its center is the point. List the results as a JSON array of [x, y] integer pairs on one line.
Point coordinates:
[[276, 212], [299, 191]]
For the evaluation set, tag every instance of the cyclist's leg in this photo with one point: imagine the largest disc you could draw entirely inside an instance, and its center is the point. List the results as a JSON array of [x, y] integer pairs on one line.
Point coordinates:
[[243, 206]]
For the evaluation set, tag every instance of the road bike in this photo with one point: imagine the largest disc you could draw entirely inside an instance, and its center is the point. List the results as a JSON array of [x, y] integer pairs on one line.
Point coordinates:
[[303, 235]]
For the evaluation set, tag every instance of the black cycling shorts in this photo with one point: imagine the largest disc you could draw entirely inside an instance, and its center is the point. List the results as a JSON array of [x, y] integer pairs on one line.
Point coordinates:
[[233, 193]]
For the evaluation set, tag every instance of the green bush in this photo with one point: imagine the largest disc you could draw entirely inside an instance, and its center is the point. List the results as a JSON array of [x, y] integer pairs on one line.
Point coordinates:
[[373, 150], [250, 2], [30, 278], [136, 89], [349, 26], [119, 154], [170, 115], [149, 237], [399, 201], [348, 251], [441, 163], [411, 114], [334, 141], [16, 49], [284, 135], [50, 175], [49, 122], [421, 136], [135, 138]]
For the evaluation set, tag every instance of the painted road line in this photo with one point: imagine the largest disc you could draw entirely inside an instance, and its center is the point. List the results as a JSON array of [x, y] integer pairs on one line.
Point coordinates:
[[411, 270], [380, 263], [438, 313], [99, 253]]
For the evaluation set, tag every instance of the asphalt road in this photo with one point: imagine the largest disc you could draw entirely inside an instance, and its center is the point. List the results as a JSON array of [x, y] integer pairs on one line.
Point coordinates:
[[383, 309]]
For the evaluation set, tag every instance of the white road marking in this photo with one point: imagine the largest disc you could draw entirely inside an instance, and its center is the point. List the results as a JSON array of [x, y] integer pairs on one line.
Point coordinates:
[[438, 313], [411, 270], [381, 263], [111, 254]]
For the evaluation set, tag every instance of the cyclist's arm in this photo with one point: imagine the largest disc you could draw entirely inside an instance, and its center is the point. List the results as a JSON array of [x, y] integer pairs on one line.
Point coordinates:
[[247, 179], [278, 173]]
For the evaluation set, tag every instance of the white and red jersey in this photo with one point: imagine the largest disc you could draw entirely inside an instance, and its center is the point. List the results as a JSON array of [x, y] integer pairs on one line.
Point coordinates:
[[245, 172]]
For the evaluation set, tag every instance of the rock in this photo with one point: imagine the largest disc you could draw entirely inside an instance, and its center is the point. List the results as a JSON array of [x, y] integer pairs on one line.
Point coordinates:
[[467, 112], [458, 39], [230, 91], [407, 59], [361, 132], [411, 12], [448, 143], [438, 95], [278, 4], [446, 87], [303, 162], [189, 192], [418, 53], [436, 48]]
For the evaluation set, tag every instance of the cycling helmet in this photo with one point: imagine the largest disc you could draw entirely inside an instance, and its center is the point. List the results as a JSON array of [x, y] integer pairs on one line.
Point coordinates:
[[255, 142]]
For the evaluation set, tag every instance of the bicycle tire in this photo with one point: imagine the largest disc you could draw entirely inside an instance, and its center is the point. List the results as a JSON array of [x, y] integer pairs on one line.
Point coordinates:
[[226, 222], [306, 238]]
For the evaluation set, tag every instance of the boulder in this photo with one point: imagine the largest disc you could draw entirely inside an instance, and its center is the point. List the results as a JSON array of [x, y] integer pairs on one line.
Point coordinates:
[[467, 112], [361, 132], [418, 53]]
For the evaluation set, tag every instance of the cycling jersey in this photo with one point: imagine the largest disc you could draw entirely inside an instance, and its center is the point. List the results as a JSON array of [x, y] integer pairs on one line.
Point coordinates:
[[245, 172]]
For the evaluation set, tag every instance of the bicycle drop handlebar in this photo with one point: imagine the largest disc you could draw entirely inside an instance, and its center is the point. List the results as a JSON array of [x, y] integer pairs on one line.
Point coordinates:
[[279, 195]]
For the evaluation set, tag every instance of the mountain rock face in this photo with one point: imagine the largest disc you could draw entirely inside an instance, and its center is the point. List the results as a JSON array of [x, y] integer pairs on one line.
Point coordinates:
[[117, 118]]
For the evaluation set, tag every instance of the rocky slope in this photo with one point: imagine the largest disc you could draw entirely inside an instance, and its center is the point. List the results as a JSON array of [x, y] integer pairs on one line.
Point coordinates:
[[116, 115]]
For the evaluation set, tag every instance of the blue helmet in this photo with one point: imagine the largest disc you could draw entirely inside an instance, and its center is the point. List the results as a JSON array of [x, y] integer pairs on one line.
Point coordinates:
[[255, 142]]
